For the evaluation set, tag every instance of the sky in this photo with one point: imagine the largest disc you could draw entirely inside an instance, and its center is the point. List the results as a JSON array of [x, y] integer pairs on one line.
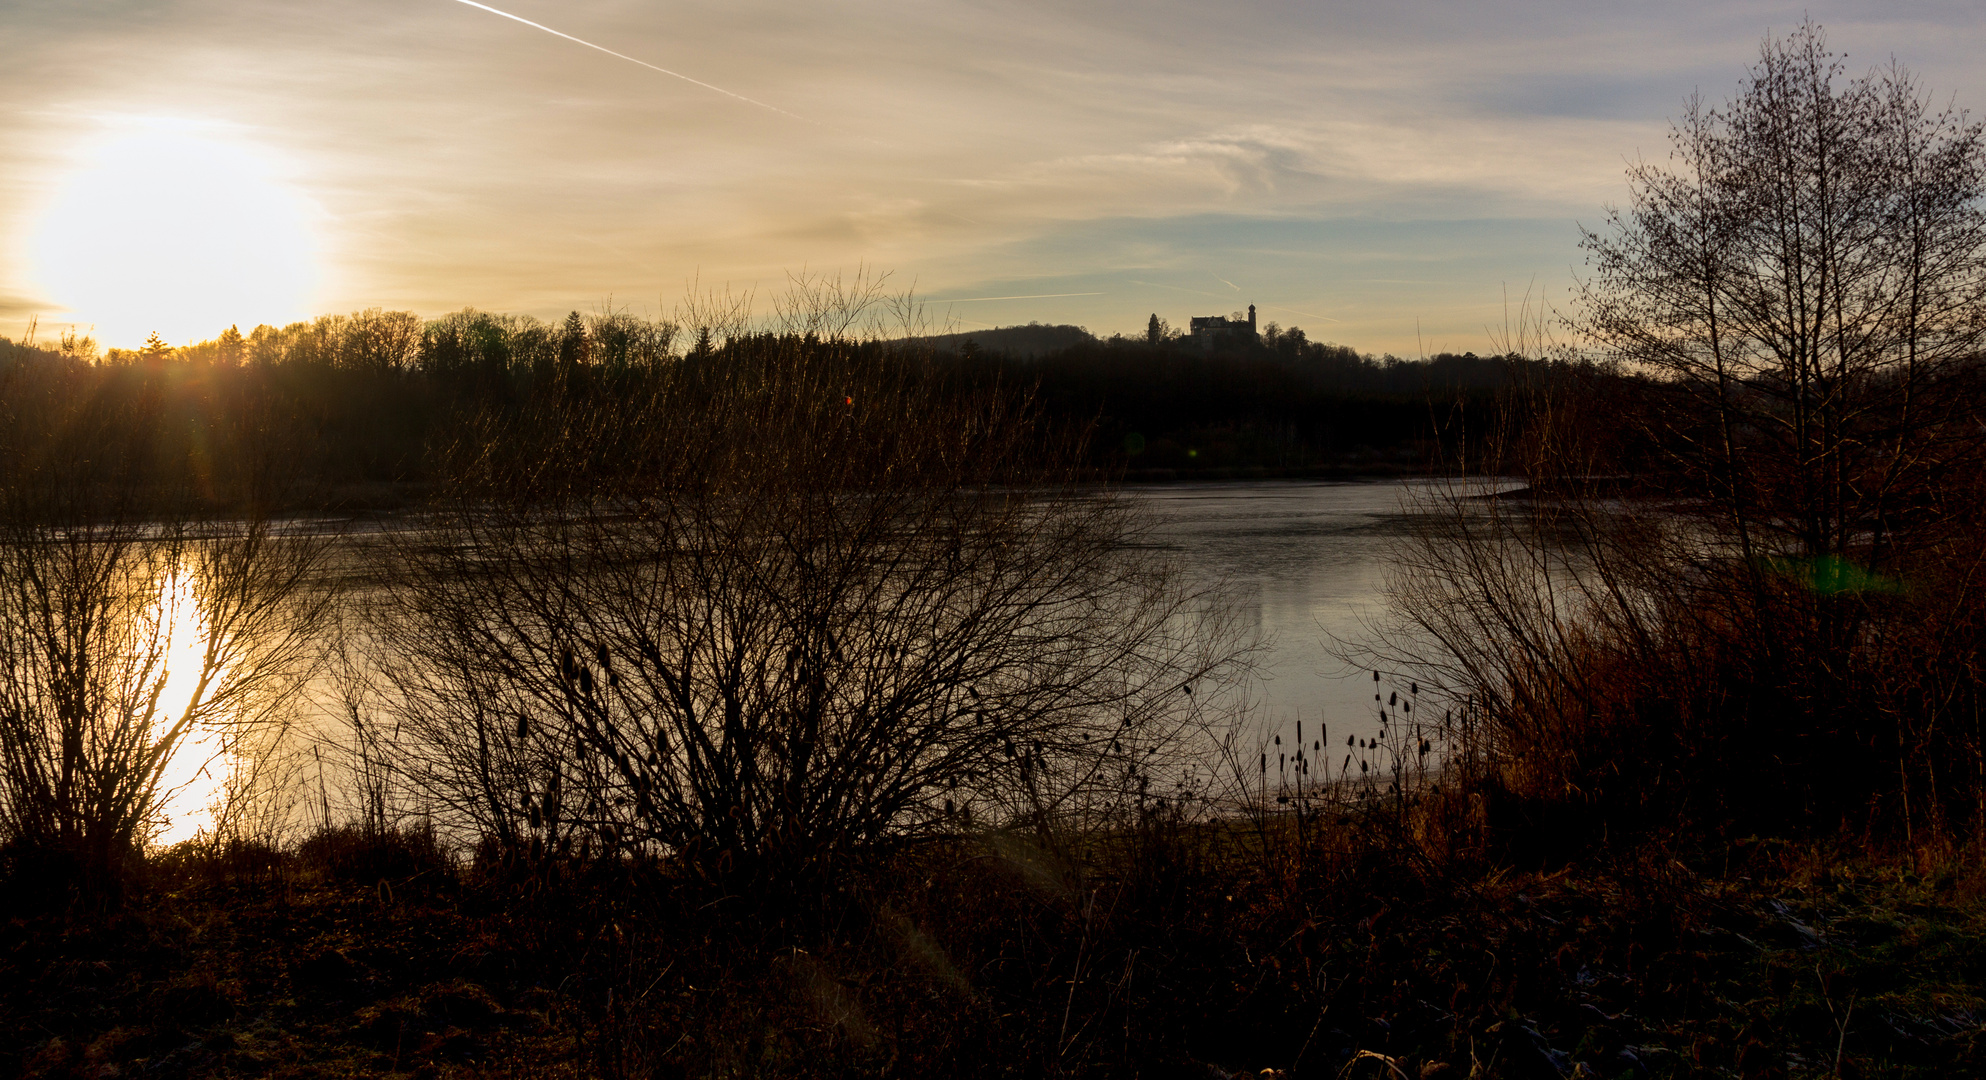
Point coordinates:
[[1398, 177]]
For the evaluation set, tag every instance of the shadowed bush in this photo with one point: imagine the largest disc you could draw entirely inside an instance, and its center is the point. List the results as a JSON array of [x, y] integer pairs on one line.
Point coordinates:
[[795, 602]]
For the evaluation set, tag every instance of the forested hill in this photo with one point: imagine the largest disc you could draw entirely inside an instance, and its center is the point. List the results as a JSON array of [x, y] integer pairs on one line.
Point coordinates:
[[1283, 405], [1021, 342], [360, 402]]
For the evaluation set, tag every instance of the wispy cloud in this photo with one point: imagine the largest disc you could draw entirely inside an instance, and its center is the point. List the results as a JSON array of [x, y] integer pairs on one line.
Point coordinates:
[[17, 307], [1372, 163]]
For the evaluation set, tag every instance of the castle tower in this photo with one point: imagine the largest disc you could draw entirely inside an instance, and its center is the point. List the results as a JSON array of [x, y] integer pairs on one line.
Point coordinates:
[[1251, 318]]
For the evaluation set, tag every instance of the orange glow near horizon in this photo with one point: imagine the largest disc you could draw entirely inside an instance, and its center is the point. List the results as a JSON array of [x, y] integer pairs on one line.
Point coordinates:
[[175, 228]]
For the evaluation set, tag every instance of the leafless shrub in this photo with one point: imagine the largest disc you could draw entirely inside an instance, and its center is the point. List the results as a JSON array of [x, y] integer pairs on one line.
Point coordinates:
[[712, 318], [142, 641], [796, 602], [830, 307]]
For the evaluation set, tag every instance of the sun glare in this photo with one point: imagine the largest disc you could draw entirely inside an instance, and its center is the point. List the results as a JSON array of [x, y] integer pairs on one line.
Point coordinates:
[[175, 228]]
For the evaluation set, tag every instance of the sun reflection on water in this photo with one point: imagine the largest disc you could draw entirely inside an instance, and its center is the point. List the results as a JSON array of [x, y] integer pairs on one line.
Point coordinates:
[[195, 778]]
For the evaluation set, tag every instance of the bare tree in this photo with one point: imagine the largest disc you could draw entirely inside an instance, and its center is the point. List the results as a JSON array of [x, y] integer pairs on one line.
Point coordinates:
[[798, 601], [1777, 361], [376, 340], [1805, 281], [623, 341]]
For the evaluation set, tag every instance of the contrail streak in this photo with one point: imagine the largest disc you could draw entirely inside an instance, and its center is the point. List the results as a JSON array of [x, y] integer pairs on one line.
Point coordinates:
[[632, 60], [1035, 296]]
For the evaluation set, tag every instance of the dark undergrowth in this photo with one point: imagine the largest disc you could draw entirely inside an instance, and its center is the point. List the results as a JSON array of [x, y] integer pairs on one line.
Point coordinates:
[[1171, 949]]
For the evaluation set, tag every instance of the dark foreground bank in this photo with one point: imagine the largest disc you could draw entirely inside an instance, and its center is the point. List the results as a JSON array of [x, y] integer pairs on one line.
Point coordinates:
[[1171, 950]]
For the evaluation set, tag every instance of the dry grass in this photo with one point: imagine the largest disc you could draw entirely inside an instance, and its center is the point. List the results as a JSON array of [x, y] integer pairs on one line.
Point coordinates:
[[1167, 947]]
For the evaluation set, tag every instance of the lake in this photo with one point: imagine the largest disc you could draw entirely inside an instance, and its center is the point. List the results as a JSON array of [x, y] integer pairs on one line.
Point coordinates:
[[1310, 558]]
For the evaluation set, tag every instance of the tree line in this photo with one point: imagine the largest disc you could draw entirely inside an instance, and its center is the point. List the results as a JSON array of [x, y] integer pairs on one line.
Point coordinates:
[[376, 389]]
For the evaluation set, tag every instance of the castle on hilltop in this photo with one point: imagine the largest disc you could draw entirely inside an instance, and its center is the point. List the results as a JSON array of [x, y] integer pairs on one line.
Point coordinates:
[[1208, 329]]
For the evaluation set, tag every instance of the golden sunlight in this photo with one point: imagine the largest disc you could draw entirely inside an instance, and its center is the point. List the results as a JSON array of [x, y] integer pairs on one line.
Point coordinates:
[[176, 228], [196, 776]]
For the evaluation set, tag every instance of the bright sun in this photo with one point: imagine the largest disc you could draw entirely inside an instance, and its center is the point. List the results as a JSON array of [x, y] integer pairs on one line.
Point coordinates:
[[179, 228]]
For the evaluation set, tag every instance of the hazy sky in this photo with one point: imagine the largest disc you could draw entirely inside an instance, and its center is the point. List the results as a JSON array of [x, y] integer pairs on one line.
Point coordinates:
[[1382, 174]]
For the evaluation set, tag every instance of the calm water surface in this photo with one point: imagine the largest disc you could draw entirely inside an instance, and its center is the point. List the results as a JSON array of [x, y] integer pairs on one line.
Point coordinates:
[[1310, 558]]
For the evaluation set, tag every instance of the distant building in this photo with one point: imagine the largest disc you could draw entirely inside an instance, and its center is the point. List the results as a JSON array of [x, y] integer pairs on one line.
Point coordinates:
[[1210, 329]]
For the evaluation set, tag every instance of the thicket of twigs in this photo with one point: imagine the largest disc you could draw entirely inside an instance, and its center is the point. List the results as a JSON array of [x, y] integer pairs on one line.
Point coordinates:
[[775, 610]]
